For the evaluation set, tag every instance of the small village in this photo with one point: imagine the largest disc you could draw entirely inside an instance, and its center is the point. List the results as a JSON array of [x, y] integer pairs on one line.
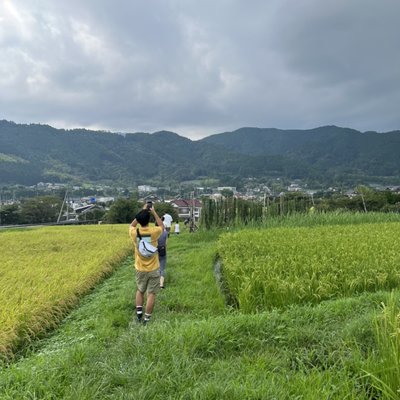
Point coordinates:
[[80, 201]]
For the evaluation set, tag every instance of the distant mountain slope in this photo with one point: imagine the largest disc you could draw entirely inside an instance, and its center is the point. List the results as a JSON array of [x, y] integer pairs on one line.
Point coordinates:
[[327, 148], [34, 153]]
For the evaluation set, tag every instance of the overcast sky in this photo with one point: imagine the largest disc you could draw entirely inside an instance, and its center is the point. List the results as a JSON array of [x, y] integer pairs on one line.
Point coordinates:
[[200, 67]]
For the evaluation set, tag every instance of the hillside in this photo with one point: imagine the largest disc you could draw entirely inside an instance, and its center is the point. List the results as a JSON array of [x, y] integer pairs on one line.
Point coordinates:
[[34, 153], [328, 148]]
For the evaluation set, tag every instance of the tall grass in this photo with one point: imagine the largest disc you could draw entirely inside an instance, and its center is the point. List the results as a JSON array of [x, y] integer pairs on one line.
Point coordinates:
[[280, 266], [236, 213], [298, 219], [384, 366], [328, 218], [45, 271]]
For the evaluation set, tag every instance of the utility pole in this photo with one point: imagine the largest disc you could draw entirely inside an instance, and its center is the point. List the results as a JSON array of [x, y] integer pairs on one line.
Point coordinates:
[[192, 223], [363, 201], [67, 206], [281, 202], [62, 206], [264, 211]]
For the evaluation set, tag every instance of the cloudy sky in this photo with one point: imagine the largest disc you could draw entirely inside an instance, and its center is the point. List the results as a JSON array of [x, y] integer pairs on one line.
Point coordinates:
[[200, 67]]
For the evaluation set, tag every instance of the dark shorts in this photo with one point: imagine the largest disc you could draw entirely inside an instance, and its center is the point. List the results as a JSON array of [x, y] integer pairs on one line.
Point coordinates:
[[148, 281]]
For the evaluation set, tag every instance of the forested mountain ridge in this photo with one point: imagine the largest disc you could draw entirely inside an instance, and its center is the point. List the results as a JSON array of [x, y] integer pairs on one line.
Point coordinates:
[[34, 153], [371, 153]]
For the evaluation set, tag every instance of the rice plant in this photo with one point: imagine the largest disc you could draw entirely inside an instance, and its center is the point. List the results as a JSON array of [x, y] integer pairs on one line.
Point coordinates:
[[45, 271], [267, 268]]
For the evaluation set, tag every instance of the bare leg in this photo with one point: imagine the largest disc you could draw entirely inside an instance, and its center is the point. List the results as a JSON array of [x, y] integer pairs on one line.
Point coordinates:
[[151, 297], [139, 298], [139, 307]]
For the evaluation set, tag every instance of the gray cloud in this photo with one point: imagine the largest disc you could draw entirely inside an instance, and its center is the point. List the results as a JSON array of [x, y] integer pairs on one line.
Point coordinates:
[[200, 67]]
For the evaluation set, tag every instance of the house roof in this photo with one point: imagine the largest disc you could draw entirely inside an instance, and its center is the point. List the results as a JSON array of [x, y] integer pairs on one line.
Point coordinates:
[[84, 208], [87, 208], [186, 203]]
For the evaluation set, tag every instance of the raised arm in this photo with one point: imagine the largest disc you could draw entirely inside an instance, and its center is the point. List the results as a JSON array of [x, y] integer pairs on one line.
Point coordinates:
[[157, 218]]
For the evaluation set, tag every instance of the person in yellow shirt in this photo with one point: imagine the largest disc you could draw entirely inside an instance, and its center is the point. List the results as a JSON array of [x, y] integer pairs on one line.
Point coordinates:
[[147, 268]]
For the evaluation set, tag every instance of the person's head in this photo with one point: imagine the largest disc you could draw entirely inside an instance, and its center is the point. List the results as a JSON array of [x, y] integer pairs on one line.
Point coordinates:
[[143, 217]]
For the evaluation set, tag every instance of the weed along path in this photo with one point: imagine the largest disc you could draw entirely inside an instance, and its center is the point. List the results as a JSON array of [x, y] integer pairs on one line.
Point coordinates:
[[195, 346]]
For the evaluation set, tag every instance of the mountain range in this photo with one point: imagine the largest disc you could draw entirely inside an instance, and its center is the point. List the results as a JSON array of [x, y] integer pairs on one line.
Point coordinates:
[[31, 153]]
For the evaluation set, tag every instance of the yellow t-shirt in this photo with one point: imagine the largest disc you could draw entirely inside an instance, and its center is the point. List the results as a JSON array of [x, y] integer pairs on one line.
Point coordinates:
[[153, 233]]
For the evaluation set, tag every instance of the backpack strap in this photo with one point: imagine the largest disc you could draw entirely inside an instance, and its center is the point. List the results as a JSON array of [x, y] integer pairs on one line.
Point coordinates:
[[138, 234]]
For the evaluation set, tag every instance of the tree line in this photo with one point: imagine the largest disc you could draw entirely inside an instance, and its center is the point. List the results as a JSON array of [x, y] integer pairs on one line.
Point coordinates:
[[228, 211], [46, 210]]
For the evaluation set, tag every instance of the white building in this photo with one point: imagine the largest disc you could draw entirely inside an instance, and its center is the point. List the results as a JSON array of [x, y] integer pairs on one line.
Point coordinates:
[[146, 189]]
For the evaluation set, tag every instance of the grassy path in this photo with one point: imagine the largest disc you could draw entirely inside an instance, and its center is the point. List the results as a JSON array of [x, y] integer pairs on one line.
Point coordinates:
[[195, 347], [71, 363]]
